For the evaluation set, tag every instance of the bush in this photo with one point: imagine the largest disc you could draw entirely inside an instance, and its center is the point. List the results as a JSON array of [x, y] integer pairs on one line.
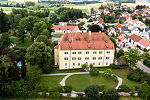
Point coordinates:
[[91, 93], [59, 89], [94, 71], [144, 91], [83, 67], [44, 94], [114, 66], [80, 96], [68, 89], [124, 88], [134, 76], [110, 94], [101, 87]]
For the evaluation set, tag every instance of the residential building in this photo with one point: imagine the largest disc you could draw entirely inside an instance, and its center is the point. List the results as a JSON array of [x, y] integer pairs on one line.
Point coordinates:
[[75, 49], [122, 41], [139, 42], [135, 31], [63, 28]]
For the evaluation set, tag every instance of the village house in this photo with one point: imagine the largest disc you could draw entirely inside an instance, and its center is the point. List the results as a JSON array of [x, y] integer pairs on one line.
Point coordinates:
[[139, 42], [63, 28], [75, 49], [125, 29], [122, 41], [135, 30], [111, 31]]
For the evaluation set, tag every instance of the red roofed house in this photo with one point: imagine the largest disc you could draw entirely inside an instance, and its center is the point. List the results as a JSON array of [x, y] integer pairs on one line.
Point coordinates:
[[63, 28], [100, 20], [139, 42], [122, 41], [137, 23], [75, 49]]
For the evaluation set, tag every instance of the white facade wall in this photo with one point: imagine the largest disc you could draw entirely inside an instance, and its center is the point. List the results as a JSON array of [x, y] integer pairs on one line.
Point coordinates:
[[93, 58]]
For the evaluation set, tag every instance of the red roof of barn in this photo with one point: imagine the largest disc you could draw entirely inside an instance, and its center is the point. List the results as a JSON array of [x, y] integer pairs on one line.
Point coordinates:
[[135, 38], [60, 27], [144, 42], [84, 41]]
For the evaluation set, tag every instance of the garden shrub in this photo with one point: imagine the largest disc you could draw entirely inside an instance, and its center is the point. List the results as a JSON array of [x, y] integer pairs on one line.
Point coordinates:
[[94, 71], [80, 96], [44, 94], [110, 94], [134, 76], [83, 67], [113, 66], [100, 87], [68, 89], [124, 88]]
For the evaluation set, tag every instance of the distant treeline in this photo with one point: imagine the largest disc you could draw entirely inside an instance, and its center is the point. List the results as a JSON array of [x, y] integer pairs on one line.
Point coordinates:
[[67, 2], [12, 5], [124, 1]]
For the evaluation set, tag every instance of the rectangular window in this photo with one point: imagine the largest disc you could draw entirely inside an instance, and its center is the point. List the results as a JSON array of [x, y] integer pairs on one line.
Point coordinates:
[[86, 58], [78, 64], [79, 52], [65, 64], [94, 52], [106, 63], [99, 58], [66, 58], [94, 58], [87, 52], [73, 64], [73, 52], [99, 63], [108, 51], [79, 58], [100, 52], [66, 53], [107, 57], [73, 58], [93, 63]]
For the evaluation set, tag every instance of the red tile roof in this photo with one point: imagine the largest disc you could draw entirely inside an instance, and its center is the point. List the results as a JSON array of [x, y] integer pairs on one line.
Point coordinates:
[[135, 38], [120, 39], [60, 27], [136, 20], [101, 10], [84, 41], [139, 12], [56, 47], [144, 42], [101, 20], [117, 25]]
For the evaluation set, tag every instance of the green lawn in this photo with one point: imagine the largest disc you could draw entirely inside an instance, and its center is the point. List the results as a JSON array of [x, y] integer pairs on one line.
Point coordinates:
[[57, 35], [51, 81], [80, 82], [123, 74]]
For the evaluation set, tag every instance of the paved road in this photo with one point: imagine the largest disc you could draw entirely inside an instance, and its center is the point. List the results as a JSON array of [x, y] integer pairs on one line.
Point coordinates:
[[143, 67]]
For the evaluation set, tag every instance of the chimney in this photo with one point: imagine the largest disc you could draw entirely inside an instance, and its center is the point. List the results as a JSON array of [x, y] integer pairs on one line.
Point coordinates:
[[89, 33]]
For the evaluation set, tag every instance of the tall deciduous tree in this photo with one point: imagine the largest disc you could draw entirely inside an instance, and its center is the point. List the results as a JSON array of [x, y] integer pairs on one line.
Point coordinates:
[[33, 75], [144, 91], [132, 56], [27, 24], [38, 54], [39, 27], [53, 17], [43, 38], [5, 40], [3, 22], [6, 83], [92, 93]]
